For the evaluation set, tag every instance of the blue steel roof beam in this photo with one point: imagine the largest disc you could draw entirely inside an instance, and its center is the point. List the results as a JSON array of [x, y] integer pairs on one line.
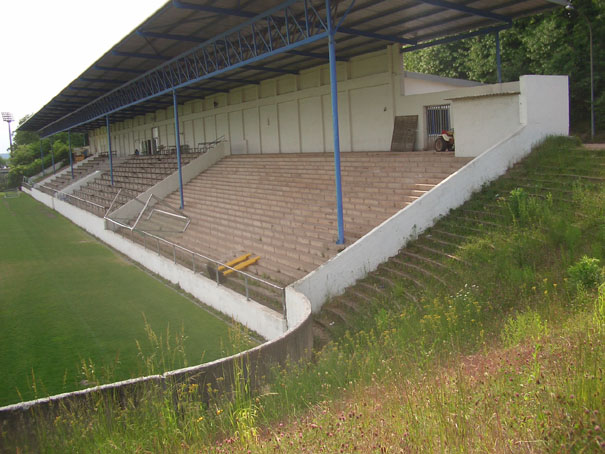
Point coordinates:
[[270, 69], [96, 90], [104, 103], [317, 55], [380, 36], [394, 23], [214, 9], [119, 53], [236, 80], [107, 81], [67, 103], [118, 70], [468, 10], [173, 37], [76, 96], [450, 39], [206, 89], [203, 23]]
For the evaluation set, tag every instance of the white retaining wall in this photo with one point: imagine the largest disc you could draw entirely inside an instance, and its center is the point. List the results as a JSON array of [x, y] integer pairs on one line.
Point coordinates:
[[334, 276], [249, 313]]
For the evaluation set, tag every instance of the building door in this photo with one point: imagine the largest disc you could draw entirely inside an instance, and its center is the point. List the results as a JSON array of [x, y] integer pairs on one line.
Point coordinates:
[[437, 120]]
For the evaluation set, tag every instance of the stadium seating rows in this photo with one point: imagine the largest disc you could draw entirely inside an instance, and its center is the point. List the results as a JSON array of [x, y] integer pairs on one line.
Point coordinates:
[[283, 207]]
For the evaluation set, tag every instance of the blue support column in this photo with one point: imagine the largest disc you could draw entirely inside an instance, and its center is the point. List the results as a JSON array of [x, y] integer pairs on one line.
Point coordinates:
[[41, 157], [498, 61], [109, 148], [334, 92], [178, 145], [71, 161]]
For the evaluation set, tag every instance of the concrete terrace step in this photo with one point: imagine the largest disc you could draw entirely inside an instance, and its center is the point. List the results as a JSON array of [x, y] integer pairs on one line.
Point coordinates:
[[282, 207]]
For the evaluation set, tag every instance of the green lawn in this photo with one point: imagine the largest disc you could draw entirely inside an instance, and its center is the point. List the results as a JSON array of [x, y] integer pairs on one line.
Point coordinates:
[[65, 297]]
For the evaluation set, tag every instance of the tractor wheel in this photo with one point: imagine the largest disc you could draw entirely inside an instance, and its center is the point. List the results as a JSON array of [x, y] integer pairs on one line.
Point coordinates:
[[440, 144]]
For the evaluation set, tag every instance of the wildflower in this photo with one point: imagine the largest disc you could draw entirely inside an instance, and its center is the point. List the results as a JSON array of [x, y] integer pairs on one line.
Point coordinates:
[[555, 285], [200, 419], [218, 411], [546, 292], [534, 288]]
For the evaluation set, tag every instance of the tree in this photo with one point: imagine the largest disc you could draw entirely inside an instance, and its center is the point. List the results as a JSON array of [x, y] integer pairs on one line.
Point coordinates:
[[25, 158], [552, 43]]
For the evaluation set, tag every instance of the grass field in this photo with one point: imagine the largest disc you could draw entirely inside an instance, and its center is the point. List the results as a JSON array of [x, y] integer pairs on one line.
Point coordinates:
[[65, 298], [503, 354]]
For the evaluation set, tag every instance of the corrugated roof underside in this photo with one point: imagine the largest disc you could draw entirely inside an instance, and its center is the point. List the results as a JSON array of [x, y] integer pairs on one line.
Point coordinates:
[[171, 31]]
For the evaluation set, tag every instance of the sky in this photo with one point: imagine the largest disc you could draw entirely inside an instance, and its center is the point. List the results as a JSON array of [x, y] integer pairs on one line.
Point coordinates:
[[47, 44]]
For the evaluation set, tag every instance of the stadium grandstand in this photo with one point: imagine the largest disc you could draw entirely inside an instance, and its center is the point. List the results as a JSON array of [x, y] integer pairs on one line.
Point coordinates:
[[254, 141]]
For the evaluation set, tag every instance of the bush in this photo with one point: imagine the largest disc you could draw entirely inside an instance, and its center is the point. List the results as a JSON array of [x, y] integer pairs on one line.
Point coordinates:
[[586, 273]]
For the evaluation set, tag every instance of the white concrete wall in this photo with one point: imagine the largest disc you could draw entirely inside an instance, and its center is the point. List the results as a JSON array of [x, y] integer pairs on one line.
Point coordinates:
[[544, 103], [255, 316], [416, 105], [288, 114], [334, 276], [483, 121]]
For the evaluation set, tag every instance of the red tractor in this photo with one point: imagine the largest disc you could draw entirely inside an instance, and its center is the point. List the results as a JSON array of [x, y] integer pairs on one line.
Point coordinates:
[[445, 142]]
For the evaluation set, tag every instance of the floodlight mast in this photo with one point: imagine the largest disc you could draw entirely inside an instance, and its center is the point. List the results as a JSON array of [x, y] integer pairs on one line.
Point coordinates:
[[8, 117]]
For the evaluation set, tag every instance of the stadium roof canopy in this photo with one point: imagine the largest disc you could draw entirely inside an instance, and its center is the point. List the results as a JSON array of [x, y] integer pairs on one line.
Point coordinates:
[[201, 47]]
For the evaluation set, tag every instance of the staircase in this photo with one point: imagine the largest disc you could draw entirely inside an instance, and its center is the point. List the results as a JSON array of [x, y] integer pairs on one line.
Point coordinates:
[[283, 207], [432, 263], [132, 176], [64, 179]]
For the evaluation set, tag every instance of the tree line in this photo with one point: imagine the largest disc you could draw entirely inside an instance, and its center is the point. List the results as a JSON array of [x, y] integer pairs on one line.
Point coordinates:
[[556, 42], [25, 160]]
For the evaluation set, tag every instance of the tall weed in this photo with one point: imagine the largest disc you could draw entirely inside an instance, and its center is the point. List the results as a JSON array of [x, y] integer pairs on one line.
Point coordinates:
[[524, 326]]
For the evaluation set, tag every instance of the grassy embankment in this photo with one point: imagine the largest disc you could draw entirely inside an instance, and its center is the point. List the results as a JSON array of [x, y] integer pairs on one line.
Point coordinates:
[[72, 309], [503, 353]]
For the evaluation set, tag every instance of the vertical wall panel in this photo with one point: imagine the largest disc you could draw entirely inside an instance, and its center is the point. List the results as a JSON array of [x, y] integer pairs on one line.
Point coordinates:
[[372, 118], [289, 131], [210, 128], [269, 129], [311, 125], [236, 132], [222, 126], [343, 121], [198, 131], [188, 133], [251, 130]]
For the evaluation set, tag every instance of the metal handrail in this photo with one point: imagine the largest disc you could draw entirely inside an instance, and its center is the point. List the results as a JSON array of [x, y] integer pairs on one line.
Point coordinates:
[[207, 146], [167, 213], [217, 263], [65, 194], [112, 202], [142, 211]]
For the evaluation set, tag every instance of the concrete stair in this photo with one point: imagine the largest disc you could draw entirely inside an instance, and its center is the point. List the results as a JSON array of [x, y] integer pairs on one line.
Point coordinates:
[[132, 176], [86, 168], [283, 207]]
